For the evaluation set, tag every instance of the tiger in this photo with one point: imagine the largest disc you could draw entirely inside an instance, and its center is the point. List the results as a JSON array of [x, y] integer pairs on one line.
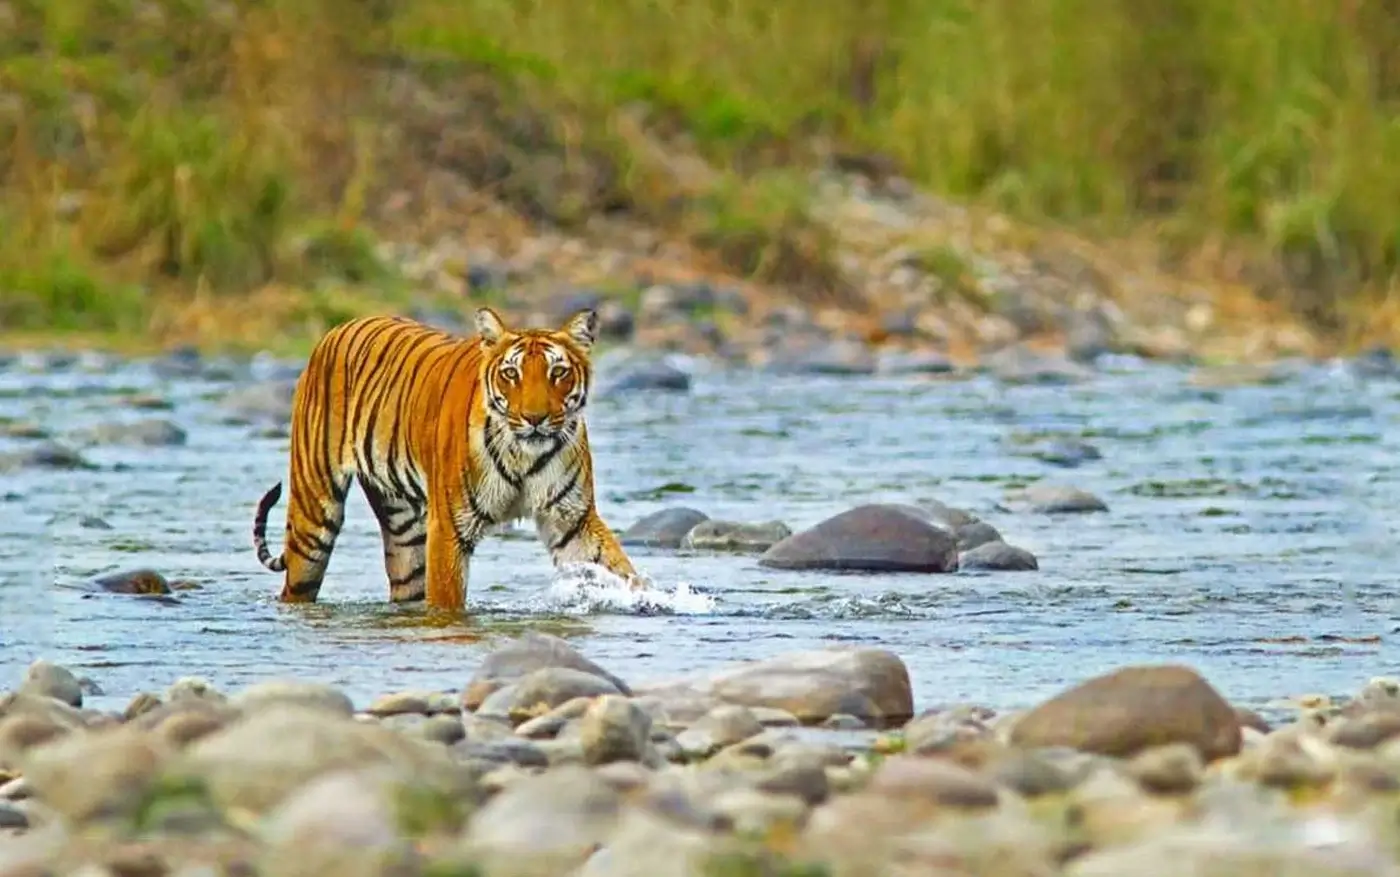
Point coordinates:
[[448, 437]]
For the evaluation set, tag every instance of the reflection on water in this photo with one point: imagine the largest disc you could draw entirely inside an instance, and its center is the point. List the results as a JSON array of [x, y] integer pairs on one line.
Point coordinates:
[[1250, 533]]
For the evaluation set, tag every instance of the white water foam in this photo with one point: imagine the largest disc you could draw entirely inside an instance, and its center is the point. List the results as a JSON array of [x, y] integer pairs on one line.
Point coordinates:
[[586, 589]]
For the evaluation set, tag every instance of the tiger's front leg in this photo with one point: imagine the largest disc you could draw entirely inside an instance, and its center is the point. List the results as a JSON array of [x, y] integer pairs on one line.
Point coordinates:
[[575, 534], [448, 561]]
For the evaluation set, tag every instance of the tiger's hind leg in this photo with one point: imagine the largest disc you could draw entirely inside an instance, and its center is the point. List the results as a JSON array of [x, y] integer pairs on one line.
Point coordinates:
[[313, 523], [403, 527]]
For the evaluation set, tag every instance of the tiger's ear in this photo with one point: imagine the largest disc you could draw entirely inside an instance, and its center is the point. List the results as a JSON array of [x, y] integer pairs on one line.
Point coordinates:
[[490, 326], [582, 328]]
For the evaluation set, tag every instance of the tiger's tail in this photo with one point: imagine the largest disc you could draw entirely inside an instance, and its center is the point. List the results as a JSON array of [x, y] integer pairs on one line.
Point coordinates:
[[269, 499]]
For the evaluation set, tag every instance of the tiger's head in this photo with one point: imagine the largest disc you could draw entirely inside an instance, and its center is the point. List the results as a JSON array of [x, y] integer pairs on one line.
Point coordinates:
[[536, 380]]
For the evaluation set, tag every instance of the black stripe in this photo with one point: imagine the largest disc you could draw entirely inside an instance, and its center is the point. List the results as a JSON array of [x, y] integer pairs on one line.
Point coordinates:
[[494, 455], [563, 492], [414, 542], [545, 459], [571, 534], [371, 396], [301, 589], [415, 573], [295, 548], [477, 511]]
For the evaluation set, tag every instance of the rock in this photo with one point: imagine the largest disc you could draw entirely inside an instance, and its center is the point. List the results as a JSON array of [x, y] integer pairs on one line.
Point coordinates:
[[137, 582], [870, 684], [1366, 730], [934, 780], [664, 529], [1019, 365], [292, 692], [542, 691], [269, 402], [180, 723], [12, 816], [46, 679], [1033, 773], [614, 729], [442, 728], [92, 774], [150, 432], [948, 517], [522, 753], [998, 556], [934, 730], [1317, 847], [23, 731], [552, 821], [875, 538], [715, 535], [1250, 719], [651, 842], [1131, 709], [833, 357], [46, 455], [192, 688], [550, 724], [524, 655], [644, 374], [720, 727], [976, 533], [917, 362], [1172, 769], [401, 703], [343, 808], [255, 762], [615, 322], [1067, 453], [1051, 499]]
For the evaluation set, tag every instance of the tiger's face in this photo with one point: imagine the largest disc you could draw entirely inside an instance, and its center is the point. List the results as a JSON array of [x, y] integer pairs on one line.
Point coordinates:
[[536, 380]]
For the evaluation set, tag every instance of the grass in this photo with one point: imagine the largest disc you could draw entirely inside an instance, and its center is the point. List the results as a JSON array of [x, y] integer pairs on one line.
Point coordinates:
[[165, 157]]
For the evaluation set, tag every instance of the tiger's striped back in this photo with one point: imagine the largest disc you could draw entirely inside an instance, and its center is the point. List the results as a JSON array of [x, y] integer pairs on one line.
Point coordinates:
[[446, 436]]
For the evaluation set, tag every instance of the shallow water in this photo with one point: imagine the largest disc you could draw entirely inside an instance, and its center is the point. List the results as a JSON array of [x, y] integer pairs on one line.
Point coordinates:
[[1249, 534]]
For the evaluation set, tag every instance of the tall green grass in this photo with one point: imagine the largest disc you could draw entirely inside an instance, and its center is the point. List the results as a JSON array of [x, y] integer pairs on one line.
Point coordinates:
[[208, 136]]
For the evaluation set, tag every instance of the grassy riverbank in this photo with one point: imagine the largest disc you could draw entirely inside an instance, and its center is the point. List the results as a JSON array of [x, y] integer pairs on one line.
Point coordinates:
[[176, 152]]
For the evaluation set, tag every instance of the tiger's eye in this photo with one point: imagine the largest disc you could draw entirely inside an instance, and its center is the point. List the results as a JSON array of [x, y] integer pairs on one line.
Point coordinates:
[[510, 373], [558, 372]]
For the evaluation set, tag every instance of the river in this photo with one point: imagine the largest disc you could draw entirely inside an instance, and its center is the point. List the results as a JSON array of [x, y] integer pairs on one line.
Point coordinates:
[[1250, 533]]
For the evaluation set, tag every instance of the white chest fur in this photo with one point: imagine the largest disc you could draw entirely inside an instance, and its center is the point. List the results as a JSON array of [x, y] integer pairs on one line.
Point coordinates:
[[515, 485]]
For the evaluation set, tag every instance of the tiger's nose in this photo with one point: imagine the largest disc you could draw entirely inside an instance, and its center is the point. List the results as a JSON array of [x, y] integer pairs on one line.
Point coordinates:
[[535, 419]]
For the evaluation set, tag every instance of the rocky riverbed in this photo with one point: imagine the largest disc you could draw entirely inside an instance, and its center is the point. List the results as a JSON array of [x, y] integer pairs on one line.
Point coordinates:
[[814, 762]]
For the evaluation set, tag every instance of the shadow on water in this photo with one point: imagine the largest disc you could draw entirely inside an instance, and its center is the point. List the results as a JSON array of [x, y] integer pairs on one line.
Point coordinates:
[[1250, 533]]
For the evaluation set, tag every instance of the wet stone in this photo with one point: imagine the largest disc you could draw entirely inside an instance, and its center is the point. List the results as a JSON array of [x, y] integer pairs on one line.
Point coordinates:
[[998, 556], [135, 582], [664, 529], [47, 679], [735, 536], [524, 655], [875, 538], [1051, 499]]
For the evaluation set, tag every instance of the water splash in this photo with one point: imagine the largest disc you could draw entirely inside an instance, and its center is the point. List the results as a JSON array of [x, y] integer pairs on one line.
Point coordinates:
[[587, 589]]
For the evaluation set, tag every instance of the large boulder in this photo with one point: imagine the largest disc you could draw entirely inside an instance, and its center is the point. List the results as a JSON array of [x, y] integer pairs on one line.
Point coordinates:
[[871, 538], [1133, 709]]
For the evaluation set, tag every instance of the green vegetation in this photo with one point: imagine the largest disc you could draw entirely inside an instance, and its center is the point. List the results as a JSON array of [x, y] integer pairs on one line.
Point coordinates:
[[163, 151]]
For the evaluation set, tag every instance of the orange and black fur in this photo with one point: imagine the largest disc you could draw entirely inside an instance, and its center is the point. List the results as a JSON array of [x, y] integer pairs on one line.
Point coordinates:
[[447, 437]]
